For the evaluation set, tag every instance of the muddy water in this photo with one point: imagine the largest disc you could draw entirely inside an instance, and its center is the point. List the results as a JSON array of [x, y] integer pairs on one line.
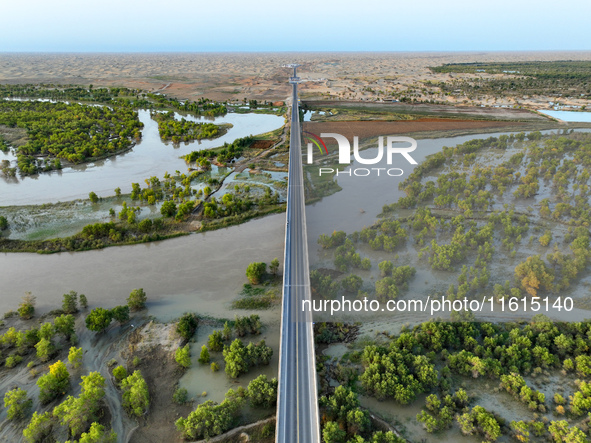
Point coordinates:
[[150, 157], [200, 272], [200, 379], [405, 415], [362, 198]]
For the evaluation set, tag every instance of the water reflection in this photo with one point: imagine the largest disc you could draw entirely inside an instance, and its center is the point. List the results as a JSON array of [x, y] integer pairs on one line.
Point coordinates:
[[148, 158]]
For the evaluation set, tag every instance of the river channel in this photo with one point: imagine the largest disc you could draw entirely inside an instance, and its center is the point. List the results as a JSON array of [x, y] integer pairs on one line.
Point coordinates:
[[201, 272], [150, 157]]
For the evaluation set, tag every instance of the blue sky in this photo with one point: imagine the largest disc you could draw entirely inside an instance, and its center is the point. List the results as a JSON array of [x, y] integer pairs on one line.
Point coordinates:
[[305, 25]]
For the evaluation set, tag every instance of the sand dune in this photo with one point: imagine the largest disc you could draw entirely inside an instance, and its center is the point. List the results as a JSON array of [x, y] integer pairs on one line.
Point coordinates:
[[234, 76]]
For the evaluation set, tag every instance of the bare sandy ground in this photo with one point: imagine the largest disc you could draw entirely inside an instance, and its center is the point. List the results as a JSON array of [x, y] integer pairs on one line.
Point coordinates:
[[235, 76]]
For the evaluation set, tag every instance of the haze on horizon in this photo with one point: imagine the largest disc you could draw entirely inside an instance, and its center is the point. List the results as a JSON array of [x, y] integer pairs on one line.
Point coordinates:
[[305, 25]]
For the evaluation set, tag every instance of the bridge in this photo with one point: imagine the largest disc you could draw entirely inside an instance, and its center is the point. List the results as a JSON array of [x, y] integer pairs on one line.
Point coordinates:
[[297, 402]]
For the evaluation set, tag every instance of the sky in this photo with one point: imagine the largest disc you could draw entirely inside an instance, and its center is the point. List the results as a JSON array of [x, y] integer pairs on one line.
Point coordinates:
[[304, 25]]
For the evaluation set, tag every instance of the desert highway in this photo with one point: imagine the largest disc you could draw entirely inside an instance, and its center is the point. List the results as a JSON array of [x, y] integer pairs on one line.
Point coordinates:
[[297, 405]]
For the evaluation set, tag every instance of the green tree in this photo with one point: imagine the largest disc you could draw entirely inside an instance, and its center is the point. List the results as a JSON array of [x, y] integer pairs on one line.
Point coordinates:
[[13, 360], [168, 208], [55, 383], [38, 428], [46, 331], [98, 319], [75, 357], [180, 396], [183, 356], [119, 373], [226, 332], [240, 358], [98, 434], [27, 307], [93, 197], [136, 398], [210, 419], [235, 357], [83, 301], [533, 274], [386, 268], [44, 349], [352, 283], [120, 313], [17, 403], [77, 412], [255, 272], [187, 325], [3, 223], [204, 357], [215, 341], [64, 324], [70, 302], [561, 431], [332, 433], [262, 392], [137, 299], [274, 266]]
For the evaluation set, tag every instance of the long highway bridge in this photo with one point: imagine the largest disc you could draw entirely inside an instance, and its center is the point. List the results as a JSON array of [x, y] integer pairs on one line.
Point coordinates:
[[297, 403]]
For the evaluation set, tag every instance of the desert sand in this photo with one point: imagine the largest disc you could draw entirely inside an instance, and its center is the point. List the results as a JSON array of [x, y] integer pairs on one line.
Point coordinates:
[[260, 76]]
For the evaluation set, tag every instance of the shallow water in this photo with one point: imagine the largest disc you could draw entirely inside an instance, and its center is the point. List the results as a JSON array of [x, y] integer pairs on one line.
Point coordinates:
[[199, 378], [150, 157], [362, 198], [202, 273], [569, 116]]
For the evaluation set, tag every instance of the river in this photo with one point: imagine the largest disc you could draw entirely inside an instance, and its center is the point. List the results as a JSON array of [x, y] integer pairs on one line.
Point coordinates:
[[203, 272], [150, 157]]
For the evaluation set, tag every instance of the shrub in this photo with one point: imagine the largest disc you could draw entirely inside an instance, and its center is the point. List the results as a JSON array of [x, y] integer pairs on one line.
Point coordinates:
[[215, 341], [120, 313], [77, 412], [137, 299], [75, 357], [255, 272], [64, 324], [44, 349], [204, 357], [13, 360], [46, 331], [99, 319], [17, 403], [183, 356], [98, 434], [83, 301], [70, 302], [352, 283], [210, 419], [119, 373], [38, 428], [27, 307], [180, 396], [187, 325], [274, 266], [262, 392], [54, 383], [136, 398], [168, 208]]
